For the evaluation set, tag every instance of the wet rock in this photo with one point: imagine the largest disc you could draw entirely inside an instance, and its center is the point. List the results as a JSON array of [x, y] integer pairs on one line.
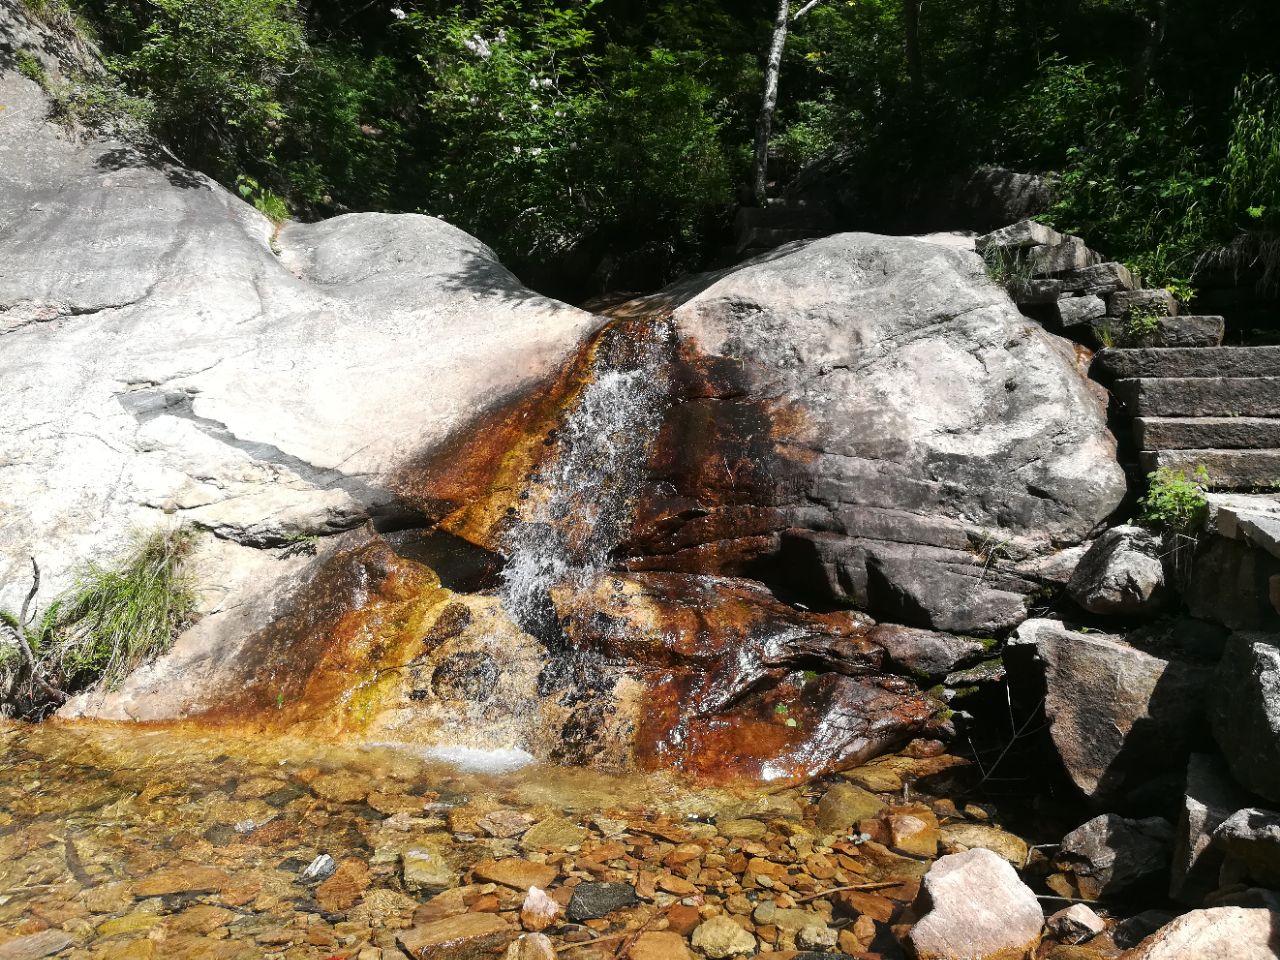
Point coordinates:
[[1076, 924], [1005, 921], [532, 946], [505, 823], [854, 336], [1122, 574], [191, 878], [927, 652], [1118, 715], [660, 945], [720, 938], [471, 936], [1250, 839], [538, 911], [844, 805], [321, 868], [1209, 798], [515, 873], [1244, 711], [959, 837], [36, 945], [742, 829], [913, 831], [1111, 853], [553, 833], [1221, 933], [426, 870], [591, 901], [345, 888]]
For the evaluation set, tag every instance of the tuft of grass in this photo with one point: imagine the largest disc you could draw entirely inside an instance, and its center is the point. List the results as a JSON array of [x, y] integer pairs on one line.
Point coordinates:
[[1012, 269], [30, 66], [122, 616]]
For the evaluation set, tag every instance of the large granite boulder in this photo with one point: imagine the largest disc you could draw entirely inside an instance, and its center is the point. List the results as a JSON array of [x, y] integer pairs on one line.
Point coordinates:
[[168, 356], [871, 418], [1222, 933], [1118, 715], [1244, 711]]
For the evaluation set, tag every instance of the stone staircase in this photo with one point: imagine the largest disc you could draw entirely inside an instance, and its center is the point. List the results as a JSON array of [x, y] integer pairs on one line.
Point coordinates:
[[1185, 400]]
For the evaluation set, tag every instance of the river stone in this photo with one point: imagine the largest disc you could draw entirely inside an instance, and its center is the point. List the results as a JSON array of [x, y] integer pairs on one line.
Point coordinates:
[[1117, 715], [1250, 838], [471, 936], [515, 873], [1076, 923], [532, 946], [34, 946], [659, 945], [1221, 933], [1244, 711], [538, 911], [1110, 853], [427, 871], [591, 901], [553, 833], [1121, 574], [959, 837], [1001, 923], [720, 938], [742, 829], [844, 805], [914, 415]]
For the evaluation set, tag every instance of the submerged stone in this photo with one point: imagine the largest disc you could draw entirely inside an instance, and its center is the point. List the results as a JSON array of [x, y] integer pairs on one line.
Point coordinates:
[[594, 900]]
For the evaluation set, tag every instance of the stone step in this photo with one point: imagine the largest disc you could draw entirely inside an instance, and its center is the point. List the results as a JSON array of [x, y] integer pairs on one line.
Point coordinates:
[[1228, 469], [1118, 364], [1200, 397], [1198, 433], [1180, 331]]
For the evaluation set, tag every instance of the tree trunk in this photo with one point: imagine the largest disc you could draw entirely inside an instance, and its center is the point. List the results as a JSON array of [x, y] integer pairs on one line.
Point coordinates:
[[760, 179], [911, 25], [1153, 30]]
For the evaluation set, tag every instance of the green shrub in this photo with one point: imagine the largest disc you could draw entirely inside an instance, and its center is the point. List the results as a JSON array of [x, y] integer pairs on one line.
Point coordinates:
[[1142, 322], [29, 66], [269, 204], [118, 617], [99, 103], [1174, 501]]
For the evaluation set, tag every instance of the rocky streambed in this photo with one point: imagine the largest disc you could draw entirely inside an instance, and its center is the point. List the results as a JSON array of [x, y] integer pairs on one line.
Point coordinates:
[[120, 844]]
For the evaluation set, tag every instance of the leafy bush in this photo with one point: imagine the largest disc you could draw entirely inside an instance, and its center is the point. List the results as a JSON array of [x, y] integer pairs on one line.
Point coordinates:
[[29, 66], [1142, 322], [1174, 501]]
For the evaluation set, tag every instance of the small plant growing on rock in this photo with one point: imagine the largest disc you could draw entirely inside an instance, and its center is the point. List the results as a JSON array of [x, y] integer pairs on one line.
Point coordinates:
[[1012, 269], [1142, 322], [1175, 502], [29, 66]]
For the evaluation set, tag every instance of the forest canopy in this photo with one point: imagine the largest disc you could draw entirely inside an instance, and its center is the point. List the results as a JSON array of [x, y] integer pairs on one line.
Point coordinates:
[[593, 132]]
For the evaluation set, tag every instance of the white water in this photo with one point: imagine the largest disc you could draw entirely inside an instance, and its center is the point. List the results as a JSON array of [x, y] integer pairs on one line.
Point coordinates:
[[580, 509]]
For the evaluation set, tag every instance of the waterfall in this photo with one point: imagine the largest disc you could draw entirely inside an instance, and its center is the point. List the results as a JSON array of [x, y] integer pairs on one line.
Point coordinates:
[[578, 508]]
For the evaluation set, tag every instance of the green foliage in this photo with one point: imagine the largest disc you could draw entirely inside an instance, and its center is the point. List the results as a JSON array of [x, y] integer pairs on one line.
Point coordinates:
[[121, 616], [212, 68], [1142, 322], [101, 104], [1011, 269], [29, 66], [269, 204], [1174, 501]]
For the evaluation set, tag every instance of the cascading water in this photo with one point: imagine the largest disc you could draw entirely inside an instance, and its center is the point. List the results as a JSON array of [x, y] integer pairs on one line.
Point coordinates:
[[577, 509]]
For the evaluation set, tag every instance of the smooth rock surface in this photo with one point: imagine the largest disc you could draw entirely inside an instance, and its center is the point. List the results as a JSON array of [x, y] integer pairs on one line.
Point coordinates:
[[1250, 840], [927, 652], [720, 937], [844, 805], [1117, 714], [1200, 396], [1244, 711], [1221, 933], [1206, 433], [470, 936], [1122, 574], [1000, 924], [1076, 923], [1234, 362]]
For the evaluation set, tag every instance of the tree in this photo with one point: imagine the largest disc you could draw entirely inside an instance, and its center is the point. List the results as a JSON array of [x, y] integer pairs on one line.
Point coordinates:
[[773, 67]]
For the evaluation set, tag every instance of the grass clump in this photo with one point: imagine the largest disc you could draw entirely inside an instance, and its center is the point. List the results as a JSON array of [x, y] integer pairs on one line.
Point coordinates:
[[1012, 269], [1142, 322], [29, 66], [121, 616], [1175, 502]]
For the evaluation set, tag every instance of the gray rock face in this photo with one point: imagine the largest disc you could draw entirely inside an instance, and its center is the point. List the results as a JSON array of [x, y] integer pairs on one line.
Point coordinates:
[[1111, 853], [926, 651], [1244, 711], [1004, 921], [1075, 311], [1232, 585], [1250, 839], [1181, 331], [1222, 933], [1200, 397], [1209, 799], [1206, 433], [1098, 280], [1076, 924], [924, 434], [1121, 574], [1228, 469], [1123, 302], [1118, 715]]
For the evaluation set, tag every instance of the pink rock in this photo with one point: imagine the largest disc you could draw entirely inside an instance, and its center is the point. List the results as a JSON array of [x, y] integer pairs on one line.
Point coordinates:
[[538, 911]]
